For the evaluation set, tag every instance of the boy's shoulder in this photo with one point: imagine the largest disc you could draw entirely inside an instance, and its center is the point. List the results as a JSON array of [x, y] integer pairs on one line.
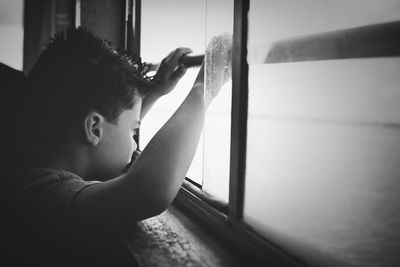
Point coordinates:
[[37, 218], [38, 188]]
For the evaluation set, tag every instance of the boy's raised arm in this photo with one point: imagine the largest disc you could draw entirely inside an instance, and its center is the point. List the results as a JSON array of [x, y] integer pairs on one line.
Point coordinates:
[[152, 183]]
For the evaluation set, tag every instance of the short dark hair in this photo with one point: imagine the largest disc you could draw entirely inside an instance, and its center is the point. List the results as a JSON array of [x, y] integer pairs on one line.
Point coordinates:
[[75, 73]]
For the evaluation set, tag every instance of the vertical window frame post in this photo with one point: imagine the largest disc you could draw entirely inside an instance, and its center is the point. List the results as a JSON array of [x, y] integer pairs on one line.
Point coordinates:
[[239, 110], [133, 27], [132, 34]]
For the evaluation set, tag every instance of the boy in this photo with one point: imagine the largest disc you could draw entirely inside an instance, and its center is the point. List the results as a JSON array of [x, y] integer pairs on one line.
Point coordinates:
[[67, 196]]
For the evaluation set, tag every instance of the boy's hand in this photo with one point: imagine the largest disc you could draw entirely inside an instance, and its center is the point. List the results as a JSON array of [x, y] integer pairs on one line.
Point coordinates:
[[169, 72], [217, 65], [167, 76]]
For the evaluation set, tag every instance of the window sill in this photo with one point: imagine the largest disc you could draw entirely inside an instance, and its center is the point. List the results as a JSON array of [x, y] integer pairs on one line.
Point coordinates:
[[172, 239], [242, 240], [192, 233]]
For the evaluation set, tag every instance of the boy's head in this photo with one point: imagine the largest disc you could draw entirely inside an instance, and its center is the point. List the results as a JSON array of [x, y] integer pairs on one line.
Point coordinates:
[[78, 83]]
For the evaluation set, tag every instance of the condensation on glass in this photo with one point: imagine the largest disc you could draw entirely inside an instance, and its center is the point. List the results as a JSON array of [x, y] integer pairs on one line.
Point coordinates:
[[167, 25], [323, 138], [217, 128]]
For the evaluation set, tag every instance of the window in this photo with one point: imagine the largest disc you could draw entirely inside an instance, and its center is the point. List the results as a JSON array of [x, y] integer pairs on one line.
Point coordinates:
[[162, 23], [11, 25], [323, 148], [203, 20], [307, 140]]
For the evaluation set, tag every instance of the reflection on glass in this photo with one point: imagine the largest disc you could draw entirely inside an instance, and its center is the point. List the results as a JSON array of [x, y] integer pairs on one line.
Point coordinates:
[[217, 129], [323, 139]]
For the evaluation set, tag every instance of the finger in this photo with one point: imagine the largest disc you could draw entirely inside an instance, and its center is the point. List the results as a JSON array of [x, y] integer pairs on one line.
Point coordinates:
[[172, 59], [168, 57], [183, 51], [179, 52], [179, 72]]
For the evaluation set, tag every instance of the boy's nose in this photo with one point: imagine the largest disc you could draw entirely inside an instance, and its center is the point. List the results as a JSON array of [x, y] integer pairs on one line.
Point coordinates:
[[135, 146], [134, 157]]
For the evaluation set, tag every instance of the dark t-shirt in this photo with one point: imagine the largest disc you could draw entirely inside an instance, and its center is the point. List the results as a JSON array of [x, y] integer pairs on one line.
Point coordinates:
[[37, 225]]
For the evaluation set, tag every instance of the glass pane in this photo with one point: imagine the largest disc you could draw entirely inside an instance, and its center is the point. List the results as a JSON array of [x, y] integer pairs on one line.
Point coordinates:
[[203, 20], [167, 25], [217, 129], [12, 32], [323, 143]]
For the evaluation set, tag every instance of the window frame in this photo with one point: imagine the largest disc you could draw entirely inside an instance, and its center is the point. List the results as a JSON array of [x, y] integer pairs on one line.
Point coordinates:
[[225, 219]]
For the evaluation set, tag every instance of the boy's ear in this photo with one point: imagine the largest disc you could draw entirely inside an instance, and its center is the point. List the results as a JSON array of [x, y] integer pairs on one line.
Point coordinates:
[[93, 124]]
